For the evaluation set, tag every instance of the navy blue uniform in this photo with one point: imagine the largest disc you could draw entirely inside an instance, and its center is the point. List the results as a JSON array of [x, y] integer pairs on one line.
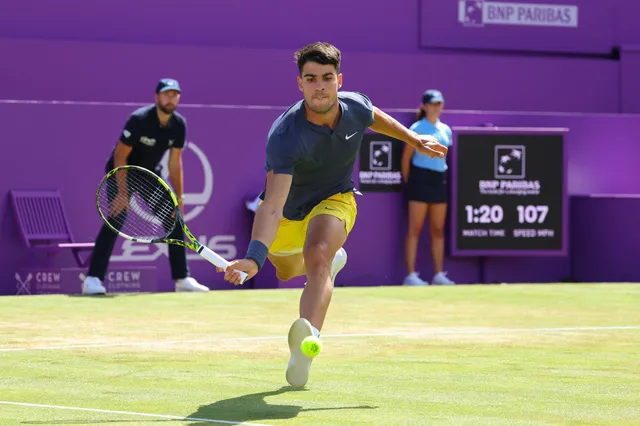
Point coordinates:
[[149, 141], [321, 160]]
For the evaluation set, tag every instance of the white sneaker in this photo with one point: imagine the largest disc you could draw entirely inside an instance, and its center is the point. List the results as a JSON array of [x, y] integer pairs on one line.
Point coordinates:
[[413, 279], [339, 261], [441, 279], [190, 284], [299, 364], [93, 285]]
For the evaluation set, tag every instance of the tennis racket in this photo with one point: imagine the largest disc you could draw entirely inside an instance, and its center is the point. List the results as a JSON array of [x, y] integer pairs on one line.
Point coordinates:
[[139, 206]]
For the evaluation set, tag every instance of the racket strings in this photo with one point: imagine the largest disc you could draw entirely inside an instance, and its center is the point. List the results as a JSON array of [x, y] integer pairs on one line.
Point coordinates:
[[134, 202]]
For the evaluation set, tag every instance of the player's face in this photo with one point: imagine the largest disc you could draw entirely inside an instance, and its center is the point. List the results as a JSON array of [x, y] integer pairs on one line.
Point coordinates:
[[168, 101], [319, 85], [434, 110]]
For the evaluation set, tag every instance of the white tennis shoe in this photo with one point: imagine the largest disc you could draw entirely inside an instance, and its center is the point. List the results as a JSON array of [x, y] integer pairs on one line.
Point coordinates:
[[93, 285], [299, 364], [190, 284]]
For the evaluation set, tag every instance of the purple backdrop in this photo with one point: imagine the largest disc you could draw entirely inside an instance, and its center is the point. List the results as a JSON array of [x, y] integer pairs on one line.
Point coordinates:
[[233, 64], [216, 210], [94, 72]]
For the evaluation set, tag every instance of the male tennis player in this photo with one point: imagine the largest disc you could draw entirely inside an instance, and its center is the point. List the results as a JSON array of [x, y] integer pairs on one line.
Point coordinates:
[[149, 132], [308, 207]]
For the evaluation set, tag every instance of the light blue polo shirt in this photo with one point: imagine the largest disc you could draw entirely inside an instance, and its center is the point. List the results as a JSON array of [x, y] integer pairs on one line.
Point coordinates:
[[440, 131]]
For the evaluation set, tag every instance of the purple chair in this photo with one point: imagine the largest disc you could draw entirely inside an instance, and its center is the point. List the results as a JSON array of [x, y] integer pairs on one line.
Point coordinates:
[[43, 223]]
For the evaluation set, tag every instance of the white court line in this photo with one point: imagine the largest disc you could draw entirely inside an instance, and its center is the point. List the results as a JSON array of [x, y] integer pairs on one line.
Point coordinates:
[[473, 331], [130, 413]]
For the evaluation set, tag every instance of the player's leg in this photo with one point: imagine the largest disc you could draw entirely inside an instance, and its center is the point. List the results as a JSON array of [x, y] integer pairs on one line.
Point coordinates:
[[437, 217], [417, 215], [101, 253], [326, 234], [99, 262], [285, 253], [418, 206], [328, 226], [287, 266]]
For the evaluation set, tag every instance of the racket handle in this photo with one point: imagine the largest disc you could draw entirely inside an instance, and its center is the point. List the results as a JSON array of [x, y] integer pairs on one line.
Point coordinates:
[[219, 261]]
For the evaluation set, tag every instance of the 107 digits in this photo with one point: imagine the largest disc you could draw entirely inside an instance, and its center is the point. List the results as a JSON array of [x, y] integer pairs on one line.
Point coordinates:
[[495, 214]]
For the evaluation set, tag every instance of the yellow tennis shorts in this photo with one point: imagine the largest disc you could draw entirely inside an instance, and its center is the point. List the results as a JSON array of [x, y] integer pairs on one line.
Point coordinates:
[[292, 233]]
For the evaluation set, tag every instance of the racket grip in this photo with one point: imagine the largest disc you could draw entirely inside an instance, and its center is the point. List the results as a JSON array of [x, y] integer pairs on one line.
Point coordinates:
[[218, 260]]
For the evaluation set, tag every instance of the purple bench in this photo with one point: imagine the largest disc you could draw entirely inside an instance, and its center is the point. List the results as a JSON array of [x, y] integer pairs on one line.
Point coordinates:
[[43, 223]]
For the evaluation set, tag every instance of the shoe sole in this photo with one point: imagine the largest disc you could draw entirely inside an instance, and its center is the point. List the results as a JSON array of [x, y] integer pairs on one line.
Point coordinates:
[[93, 292], [299, 364], [190, 289]]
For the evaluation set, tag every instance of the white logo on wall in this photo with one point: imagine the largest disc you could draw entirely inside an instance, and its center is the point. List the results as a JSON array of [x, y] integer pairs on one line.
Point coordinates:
[[23, 286], [510, 161], [380, 155], [478, 13], [509, 172], [194, 204], [380, 170], [40, 281]]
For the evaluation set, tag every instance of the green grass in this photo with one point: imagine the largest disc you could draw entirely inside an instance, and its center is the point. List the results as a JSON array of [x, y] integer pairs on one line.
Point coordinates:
[[464, 355]]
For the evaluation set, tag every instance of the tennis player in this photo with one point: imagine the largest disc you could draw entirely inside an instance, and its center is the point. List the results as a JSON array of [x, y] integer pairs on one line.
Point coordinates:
[[309, 207], [426, 181], [148, 133]]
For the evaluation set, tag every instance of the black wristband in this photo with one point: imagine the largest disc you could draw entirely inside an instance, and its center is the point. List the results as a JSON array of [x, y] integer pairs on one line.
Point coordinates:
[[257, 252]]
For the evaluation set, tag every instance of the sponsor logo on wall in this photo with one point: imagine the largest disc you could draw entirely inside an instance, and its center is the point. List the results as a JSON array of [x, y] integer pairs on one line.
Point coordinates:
[[510, 167], [380, 158], [479, 13], [69, 280]]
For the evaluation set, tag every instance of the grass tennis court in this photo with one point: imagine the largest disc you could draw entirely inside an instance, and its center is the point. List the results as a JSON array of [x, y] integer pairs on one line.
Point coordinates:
[[463, 355]]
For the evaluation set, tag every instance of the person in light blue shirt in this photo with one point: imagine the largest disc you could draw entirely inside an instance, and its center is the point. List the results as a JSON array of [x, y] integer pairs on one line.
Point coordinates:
[[427, 191]]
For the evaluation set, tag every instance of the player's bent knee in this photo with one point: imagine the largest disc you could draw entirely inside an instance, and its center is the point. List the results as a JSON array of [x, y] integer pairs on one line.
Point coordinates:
[[318, 254], [288, 267]]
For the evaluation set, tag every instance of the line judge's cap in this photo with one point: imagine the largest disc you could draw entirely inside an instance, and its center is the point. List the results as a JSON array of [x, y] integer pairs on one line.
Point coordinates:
[[432, 96], [167, 84]]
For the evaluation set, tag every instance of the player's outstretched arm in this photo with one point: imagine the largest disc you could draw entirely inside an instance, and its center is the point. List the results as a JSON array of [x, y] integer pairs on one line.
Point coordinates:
[[265, 228], [387, 125]]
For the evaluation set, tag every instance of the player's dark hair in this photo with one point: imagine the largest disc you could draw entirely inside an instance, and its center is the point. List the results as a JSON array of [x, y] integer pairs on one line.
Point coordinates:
[[319, 52], [420, 114]]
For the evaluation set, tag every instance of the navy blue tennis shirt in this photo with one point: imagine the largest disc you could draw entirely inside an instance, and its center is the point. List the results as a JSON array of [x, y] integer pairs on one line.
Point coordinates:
[[149, 139], [321, 160]]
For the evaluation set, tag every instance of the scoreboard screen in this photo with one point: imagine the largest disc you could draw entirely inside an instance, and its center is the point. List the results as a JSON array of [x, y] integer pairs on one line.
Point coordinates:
[[509, 192]]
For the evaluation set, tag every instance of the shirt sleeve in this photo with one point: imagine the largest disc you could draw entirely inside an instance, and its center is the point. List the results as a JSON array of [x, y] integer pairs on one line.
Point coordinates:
[[362, 107], [131, 132], [281, 154]]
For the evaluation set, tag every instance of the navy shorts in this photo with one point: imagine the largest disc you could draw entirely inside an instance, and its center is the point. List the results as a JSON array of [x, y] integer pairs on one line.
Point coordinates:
[[427, 186]]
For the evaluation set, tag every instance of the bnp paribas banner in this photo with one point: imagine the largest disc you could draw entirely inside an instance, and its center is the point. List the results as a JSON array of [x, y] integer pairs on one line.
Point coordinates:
[[527, 26]]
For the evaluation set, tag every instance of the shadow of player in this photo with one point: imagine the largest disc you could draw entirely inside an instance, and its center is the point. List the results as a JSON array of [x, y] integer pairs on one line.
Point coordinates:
[[253, 407]]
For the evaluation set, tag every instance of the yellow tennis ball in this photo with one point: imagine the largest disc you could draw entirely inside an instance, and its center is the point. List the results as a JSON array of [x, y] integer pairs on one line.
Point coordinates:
[[311, 346]]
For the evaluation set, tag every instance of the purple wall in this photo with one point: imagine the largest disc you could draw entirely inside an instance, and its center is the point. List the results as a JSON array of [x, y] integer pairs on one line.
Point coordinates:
[[229, 58], [353, 24], [236, 162], [128, 72], [401, 25]]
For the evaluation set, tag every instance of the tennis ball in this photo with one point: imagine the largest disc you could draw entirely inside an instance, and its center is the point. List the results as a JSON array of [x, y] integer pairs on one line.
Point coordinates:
[[311, 346]]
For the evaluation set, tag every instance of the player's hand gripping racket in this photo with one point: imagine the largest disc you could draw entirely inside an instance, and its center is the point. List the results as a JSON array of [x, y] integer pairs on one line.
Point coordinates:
[[139, 206]]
